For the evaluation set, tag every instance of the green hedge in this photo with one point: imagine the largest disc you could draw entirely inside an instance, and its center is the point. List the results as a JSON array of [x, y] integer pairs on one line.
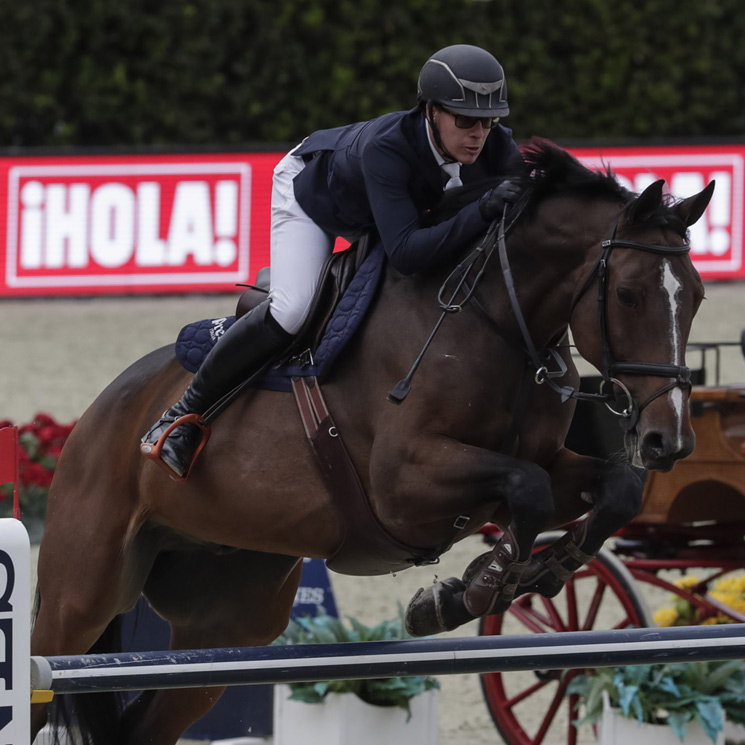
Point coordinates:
[[230, 72]]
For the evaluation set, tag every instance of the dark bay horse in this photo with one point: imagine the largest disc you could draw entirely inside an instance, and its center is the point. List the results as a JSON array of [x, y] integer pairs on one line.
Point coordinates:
[[476, 440]]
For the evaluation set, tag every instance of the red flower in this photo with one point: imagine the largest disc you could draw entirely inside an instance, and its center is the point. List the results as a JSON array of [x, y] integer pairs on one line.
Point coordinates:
[[35, 474]]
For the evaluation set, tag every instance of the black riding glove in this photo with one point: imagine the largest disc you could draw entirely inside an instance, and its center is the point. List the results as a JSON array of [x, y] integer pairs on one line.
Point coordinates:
[[492, 204]]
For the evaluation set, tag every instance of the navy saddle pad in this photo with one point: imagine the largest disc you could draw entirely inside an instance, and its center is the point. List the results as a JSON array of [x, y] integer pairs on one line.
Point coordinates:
[[197, 339]]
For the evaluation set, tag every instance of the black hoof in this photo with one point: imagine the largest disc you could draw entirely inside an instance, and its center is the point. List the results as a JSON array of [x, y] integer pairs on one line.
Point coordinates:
[[437, 608]]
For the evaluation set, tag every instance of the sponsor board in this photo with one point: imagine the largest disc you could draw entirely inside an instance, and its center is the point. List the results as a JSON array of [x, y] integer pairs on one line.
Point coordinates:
[[716, 239], [15, 609], [92, 225], [103, 225]]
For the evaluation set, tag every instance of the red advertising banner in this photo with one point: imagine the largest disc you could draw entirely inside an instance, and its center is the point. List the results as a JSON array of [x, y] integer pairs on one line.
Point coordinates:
[[716, 239], [91, 225]]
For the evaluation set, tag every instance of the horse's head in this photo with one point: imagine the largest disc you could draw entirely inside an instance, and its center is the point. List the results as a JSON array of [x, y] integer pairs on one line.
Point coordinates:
[[648, 294]]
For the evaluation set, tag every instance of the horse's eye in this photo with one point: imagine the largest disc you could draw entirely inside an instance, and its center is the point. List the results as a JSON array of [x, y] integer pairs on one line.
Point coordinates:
[[627, 297]]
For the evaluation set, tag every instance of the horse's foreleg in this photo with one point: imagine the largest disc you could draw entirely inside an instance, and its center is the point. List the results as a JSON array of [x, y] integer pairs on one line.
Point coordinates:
[[614, 493], [489, 584]]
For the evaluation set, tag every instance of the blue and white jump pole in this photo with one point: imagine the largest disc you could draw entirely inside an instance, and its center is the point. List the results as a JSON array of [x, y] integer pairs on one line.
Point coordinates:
[[246, 666]]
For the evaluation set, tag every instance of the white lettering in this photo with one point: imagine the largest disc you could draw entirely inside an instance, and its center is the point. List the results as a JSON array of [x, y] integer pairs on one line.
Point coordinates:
[[190, 232], [719, 214], [226, 222], [151, 249], [112, 225], [32, 231], [66, 222]]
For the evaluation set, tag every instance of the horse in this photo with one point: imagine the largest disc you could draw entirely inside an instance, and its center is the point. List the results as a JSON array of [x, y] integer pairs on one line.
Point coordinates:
[[478, 437]]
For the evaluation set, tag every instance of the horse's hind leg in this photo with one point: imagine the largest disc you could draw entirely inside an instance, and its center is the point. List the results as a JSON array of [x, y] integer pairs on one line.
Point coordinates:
[[241, 598], [87, 575]]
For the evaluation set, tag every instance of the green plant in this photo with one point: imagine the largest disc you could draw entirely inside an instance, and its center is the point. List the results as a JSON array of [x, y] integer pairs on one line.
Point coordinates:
[[673, 694], [324, 629]]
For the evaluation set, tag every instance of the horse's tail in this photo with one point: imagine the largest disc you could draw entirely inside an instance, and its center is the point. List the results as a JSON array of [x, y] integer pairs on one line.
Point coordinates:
[[96, 716]]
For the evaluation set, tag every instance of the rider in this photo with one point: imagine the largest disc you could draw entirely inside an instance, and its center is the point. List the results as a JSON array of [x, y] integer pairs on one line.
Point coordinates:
[[380, 174]]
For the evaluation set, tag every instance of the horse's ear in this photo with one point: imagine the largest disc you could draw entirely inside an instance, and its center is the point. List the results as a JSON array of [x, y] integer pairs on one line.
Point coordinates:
[[689, 210], [646, 204]]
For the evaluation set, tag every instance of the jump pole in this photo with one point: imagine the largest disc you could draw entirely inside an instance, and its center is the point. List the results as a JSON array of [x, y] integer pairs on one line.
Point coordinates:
[[445, 656]]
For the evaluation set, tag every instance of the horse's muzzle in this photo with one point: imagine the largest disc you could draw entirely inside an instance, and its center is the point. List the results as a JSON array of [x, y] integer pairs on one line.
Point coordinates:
[[657, 451]]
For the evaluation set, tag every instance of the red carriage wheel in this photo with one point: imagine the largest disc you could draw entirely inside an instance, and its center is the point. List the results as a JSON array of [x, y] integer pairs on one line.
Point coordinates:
[[532, 707]]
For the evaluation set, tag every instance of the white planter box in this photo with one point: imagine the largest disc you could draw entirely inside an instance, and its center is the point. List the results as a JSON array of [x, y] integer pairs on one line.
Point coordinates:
[[734, 732], [344, 719], [616, 729]]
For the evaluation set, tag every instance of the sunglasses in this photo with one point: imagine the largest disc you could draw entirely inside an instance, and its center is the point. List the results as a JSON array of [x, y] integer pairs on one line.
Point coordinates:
[[466, 122]]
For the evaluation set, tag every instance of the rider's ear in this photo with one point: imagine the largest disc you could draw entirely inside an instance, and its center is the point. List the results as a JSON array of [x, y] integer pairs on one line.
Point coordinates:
[[646, 203], [689, 210]]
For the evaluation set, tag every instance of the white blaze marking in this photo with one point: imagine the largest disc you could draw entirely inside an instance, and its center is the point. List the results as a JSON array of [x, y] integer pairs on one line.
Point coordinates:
[[671, 285]]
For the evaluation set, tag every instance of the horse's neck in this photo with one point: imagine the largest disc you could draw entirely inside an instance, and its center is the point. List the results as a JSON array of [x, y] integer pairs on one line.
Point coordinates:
[[551, 259]]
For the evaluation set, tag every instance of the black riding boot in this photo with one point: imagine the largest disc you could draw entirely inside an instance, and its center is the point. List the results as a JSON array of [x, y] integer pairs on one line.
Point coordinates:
[[247, 346]]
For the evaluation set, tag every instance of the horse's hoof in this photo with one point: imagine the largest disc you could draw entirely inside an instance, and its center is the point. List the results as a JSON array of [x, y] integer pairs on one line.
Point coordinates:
[[539, 581], [437, 608]]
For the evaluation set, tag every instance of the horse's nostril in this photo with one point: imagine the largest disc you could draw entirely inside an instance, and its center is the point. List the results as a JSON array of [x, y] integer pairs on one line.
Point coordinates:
[[653, 445]]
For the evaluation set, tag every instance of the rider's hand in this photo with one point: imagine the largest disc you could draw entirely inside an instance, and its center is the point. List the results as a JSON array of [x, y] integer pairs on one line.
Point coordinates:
[[492, 204]]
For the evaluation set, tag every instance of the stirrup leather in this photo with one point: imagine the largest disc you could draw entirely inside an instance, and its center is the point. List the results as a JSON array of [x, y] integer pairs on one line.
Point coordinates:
[[152, 451]]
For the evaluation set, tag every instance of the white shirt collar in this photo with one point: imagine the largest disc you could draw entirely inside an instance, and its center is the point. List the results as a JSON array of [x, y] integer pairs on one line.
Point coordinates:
[[430, 139]]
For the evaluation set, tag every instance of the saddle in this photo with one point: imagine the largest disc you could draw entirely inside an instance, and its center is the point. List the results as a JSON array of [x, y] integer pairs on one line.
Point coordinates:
[[346, 287], [336, 277]]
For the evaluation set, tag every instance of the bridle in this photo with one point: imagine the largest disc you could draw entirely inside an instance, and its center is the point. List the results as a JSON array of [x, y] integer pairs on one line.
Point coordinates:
[[629, 415], [541, 361]]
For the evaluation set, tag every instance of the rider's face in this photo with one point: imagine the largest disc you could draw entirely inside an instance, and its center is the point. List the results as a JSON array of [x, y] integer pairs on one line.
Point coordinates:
[[463, 144]]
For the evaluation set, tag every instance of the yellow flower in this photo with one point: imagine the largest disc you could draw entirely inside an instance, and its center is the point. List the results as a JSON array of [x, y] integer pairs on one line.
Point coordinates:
[[665, 617], [686, 582], [729, 584]]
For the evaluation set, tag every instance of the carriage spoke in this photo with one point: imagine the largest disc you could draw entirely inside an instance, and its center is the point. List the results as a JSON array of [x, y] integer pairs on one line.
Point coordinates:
[[529, 691], [572, 731], [551, 713], [571, 604], [557, 623], [534, 620], [594, 606]]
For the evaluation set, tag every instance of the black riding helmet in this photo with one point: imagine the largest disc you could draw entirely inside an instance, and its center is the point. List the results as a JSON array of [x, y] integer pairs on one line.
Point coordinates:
[[464, 79]]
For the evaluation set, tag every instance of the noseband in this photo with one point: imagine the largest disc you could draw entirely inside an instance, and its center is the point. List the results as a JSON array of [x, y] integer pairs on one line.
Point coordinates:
[[629, 415], [680, 374]]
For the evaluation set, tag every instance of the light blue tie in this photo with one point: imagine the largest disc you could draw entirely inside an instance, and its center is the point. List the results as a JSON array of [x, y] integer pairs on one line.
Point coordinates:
[[452, 170]]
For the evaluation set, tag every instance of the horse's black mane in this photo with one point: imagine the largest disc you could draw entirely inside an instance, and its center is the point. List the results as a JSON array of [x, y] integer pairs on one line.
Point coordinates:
[[552, 169], [546, 169]]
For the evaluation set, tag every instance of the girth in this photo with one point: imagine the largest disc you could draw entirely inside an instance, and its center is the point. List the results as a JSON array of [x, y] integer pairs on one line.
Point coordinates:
[[367, 547]]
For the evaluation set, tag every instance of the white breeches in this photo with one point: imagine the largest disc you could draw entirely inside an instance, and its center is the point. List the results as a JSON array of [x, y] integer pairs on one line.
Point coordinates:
[[299, 249]]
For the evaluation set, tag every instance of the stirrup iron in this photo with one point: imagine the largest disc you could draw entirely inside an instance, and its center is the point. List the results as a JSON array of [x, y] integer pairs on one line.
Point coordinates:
[[152, 451]]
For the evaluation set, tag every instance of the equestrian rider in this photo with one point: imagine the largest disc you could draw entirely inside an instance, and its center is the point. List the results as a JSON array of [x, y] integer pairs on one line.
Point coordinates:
[[380, 174]]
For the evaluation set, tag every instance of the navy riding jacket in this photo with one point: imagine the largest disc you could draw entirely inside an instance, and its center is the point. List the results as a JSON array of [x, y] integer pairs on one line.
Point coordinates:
[[382, 174]]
